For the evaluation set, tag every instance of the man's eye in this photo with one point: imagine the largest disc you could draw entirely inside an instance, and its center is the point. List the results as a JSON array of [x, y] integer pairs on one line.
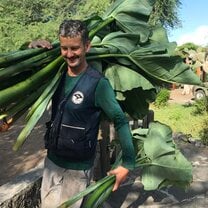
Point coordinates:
[[63, 48], [74, 49]]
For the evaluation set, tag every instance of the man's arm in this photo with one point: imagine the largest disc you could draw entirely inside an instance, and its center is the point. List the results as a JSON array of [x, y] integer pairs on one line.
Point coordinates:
[[105, 98]]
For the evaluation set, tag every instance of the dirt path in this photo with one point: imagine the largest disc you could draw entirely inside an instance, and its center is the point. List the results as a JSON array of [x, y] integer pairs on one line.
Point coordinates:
[[176, 96], [14, 163], [32, 152]]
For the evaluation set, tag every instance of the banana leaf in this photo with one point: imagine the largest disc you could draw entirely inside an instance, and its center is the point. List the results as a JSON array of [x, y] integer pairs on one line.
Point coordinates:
[[40, 107], [131, 16], [163, 163], [12, 57], [10, 94], [28, 64], [20, 104]]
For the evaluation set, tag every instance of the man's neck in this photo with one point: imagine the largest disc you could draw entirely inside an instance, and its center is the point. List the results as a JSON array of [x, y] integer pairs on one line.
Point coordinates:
[[73, 72]]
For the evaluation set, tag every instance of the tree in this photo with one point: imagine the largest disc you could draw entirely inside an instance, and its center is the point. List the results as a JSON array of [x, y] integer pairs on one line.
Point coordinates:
[[23, 21], [166, 13]]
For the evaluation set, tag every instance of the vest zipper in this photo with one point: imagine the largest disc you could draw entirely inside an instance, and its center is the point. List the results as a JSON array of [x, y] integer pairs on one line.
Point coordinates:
[[73, 127]]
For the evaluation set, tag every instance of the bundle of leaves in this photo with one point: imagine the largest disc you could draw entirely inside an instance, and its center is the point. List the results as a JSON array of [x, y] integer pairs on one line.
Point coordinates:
[[135, 57]]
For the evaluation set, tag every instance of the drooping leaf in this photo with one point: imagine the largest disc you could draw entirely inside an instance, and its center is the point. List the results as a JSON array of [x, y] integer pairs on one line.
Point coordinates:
[[131, 16], [36, 114], [168, 168], [124, 79], [123, 42], [132, 90], [164, 67], [164, 163], [158, 134]]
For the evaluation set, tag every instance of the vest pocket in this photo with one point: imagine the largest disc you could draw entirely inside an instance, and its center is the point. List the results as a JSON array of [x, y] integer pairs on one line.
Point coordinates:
[[71, 134], [73, 144]]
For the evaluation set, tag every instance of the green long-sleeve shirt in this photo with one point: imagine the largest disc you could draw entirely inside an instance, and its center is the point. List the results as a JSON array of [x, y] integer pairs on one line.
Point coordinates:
[[105, 99]]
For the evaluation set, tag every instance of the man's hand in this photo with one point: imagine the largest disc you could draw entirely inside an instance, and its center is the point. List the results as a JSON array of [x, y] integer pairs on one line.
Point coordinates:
[[40, 44], [121, 173]]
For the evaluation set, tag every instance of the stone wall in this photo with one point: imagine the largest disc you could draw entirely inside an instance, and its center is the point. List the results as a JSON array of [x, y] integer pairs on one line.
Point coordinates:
[[23, 191]]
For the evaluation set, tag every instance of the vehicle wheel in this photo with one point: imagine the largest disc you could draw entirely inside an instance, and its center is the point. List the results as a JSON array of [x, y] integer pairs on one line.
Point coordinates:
[[199, 94]]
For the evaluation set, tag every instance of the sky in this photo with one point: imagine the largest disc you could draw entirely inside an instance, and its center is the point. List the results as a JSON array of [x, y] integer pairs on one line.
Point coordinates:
[[194, 18]]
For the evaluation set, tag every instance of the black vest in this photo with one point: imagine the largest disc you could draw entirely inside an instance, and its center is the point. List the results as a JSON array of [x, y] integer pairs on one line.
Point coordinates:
[[73, 134]]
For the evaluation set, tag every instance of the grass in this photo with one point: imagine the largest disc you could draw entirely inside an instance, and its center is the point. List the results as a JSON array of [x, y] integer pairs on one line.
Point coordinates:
[[181, 119]]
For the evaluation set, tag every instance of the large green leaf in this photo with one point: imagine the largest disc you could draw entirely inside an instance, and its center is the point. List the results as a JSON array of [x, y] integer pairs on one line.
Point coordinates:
[[159, 35], [123, 42], [161, 136], [123, 79], [132, 16], [164, 67], [156, 59], [164, 163], [132, 90], [168, 168]]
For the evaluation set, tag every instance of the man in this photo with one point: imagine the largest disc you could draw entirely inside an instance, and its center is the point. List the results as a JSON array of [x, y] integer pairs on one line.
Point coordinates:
[[69, 161]]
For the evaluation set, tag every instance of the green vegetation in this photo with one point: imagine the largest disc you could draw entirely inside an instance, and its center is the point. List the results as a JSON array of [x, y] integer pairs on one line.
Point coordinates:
[[162, 98], [201, 106], [204, 131], [182, 118], [26, 20], [166, 13]]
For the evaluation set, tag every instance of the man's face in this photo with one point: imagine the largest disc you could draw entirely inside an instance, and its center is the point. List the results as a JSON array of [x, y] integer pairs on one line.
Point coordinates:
[[73, 51]]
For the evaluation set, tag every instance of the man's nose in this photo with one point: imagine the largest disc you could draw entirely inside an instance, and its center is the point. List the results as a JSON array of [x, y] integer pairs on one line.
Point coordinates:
[[69, 53]]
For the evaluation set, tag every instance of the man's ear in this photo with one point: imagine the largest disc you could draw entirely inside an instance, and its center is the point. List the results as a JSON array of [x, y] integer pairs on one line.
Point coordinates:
[[88, 46]]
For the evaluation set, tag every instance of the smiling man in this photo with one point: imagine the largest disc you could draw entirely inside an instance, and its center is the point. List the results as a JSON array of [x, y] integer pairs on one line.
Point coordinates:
[[78, 102]]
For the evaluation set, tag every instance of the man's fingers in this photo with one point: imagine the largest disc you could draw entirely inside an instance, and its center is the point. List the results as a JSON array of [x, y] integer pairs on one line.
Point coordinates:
[[40, 44], [115, 187], [121, 174]]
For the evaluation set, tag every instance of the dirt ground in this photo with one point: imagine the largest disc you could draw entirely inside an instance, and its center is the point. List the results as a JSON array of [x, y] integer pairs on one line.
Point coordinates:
[[176, 96], [32, 152], [29, 156]]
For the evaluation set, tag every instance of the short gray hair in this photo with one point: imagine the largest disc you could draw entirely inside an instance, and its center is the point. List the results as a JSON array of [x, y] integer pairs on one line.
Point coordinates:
[[74, 28]]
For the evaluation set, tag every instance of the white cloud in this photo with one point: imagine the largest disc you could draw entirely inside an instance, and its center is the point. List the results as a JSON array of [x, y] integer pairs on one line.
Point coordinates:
[[199, 36]]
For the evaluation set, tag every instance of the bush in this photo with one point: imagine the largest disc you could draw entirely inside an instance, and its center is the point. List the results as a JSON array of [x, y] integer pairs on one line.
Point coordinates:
[[204, 132], [201, 106], [162, 98]]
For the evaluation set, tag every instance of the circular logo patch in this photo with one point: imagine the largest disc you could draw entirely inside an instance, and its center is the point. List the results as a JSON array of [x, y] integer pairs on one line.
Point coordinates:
[[77, 97]]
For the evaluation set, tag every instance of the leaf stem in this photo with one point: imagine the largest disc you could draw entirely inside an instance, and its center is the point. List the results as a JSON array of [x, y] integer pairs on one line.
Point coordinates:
[[106, 56], [92, 33]]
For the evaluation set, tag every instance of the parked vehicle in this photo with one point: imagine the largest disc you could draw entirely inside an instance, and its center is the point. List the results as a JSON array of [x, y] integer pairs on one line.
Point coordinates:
[[200, 92]]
